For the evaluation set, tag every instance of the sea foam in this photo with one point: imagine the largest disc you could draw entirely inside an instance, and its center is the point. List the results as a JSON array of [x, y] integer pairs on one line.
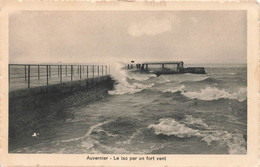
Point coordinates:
[[169, 126], [235, 142], [175, 89], [140, 77], [195, 121], [213, 93], [127, 88]]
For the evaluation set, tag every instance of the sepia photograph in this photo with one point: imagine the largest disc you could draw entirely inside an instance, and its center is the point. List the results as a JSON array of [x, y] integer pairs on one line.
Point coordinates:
[[128, 82]]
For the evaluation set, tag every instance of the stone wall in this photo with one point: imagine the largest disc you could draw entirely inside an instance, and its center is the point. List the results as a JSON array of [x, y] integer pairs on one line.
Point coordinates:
[[29, 109]]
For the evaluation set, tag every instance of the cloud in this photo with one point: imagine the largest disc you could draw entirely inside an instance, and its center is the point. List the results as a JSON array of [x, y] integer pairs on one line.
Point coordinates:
[[149, 27]]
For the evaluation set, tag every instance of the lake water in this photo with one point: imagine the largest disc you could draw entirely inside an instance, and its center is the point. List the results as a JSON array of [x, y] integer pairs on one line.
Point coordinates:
[[145, 114]]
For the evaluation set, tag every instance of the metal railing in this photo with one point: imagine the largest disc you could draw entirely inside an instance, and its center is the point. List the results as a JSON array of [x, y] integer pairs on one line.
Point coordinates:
[[31, 75]]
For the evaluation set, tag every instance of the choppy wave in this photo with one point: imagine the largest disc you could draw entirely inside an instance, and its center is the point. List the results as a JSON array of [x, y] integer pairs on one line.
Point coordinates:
[[235, 142], [213, 93], [170, 127], [141, 77], [175, 89], [182, 78], [208, 93], [91, 129], [195, 77], [195, 121], [127, 88], [94, 146], [202, 80], [199, 79]]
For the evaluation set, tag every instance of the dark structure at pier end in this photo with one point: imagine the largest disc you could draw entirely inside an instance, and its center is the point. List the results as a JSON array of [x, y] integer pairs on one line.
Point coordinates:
[[166, 67]]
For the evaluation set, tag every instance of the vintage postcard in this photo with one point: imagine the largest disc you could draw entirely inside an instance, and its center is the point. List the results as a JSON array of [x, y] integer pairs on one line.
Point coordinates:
[[124, 83]]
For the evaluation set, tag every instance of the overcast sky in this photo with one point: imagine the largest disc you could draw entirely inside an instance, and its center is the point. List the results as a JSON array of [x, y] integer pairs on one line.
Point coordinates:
[[95, 36]]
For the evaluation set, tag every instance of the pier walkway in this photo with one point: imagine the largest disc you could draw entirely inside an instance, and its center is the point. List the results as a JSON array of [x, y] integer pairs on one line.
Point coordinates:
[[22, 76]]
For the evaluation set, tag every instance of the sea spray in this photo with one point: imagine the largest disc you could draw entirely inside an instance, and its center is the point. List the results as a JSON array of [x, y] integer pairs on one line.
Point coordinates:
[[125, 87]]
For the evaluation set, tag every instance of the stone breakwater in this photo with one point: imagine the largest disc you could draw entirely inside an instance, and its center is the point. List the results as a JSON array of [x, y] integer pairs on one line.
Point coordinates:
[[31, 109]]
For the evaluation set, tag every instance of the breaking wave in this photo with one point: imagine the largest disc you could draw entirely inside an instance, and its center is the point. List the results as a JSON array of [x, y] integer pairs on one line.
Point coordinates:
[[176, 89], [235, 142], [195, 121], [210, 93], [141, 77], [91, 129], [132, 82], [125, 87], [170, 127]]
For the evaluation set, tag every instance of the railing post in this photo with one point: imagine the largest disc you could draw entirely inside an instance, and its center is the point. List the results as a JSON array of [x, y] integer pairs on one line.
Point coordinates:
[[102, 71], [106, 70], [25, 75], [49, 67], [93, 71], [78, 69], [66, 69], [58, 70], [71, 73], [60, 73], [98, 71], [29, 75], [109, 70], [38, 72], [87, 71], [80, 72], [47, 73], [83, 70]]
